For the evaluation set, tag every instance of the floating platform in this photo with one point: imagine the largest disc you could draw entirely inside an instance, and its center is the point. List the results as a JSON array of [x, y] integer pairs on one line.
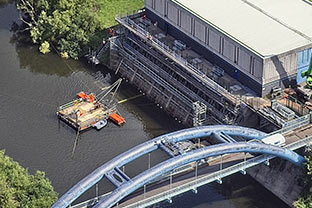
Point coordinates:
[[84, 112]]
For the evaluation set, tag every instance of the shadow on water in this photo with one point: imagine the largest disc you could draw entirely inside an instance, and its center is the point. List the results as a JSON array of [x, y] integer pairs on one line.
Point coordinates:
[[50, 64], [236, 191], [4, 3], [28, 54]]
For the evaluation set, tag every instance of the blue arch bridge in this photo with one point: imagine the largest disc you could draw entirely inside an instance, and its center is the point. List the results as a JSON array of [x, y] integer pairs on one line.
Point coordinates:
[[233, 141]]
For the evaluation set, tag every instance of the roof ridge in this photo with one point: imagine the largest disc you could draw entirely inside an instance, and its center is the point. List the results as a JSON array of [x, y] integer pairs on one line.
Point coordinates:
[[277, 20]]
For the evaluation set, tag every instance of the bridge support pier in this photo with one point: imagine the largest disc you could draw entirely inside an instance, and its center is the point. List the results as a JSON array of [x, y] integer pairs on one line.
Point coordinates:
[[195, 191], [219, 181], [243, 172]]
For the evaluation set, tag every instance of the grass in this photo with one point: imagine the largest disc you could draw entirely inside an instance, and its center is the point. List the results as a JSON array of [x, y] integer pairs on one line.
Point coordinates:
[[110, 8]]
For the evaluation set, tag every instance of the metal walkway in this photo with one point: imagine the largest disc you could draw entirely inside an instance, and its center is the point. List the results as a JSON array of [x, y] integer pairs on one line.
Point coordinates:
[[151, 57], [128, 185]]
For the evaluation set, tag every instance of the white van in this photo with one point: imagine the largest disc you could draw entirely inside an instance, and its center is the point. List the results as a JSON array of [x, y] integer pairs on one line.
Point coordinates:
[[275, 139]]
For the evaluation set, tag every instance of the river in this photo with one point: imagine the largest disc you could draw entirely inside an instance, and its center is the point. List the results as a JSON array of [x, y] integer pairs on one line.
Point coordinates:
[[32, 85]]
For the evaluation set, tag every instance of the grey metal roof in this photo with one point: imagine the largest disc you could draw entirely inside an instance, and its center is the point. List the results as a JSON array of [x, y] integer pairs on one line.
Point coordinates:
[[269, 27]]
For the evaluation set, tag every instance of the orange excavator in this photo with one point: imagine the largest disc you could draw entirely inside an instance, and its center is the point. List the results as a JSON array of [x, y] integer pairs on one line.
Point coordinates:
[[86, 97]]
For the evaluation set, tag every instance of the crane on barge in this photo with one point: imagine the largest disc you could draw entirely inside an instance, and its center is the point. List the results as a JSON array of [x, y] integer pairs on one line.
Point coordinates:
[[89, 110]]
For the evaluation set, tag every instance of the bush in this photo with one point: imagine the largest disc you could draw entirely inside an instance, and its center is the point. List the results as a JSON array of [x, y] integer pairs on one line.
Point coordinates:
[[45, 47], [19, 189]]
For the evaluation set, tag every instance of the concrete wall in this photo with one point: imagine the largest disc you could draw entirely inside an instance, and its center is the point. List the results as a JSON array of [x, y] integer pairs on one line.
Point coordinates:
[[279, 67], [283, 70], [247, 62], [258, 73], [282, 178]]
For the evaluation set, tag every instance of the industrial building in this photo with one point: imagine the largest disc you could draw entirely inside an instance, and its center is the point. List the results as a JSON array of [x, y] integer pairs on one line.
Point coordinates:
[[261, 43]]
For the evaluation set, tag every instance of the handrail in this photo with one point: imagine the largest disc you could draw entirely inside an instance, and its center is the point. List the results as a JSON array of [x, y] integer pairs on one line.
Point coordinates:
[[192, 185], [200, 76]]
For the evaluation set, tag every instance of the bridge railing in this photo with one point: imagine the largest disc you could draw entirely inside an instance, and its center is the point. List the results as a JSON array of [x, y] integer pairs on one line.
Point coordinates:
[[294, 124], [200, 181]]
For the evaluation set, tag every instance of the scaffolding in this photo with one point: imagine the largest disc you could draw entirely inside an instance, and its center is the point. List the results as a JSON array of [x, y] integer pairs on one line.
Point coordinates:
[[200, 111]]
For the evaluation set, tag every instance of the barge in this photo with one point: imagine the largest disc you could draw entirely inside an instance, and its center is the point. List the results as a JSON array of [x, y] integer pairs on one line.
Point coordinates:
[[85, 111]]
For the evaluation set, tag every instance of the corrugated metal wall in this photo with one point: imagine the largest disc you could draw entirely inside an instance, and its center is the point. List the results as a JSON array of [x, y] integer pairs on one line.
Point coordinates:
[[303, 63]]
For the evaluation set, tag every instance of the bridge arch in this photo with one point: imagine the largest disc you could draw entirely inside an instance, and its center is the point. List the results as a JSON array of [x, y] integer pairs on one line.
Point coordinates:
[[178, 161], [149, 146]]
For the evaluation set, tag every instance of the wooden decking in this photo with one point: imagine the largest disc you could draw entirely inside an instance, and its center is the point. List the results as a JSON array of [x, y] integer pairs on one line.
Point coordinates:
[[82, 114]]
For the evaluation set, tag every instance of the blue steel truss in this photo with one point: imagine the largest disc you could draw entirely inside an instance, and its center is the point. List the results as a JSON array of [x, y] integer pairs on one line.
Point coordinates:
[[186, 134]]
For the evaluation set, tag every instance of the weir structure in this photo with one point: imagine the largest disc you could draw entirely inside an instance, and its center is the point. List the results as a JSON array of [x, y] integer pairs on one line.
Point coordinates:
[[147, 57], [167, 79], [230, 141]]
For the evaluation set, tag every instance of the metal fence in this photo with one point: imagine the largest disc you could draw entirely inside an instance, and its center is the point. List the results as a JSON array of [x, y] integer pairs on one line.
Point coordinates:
[[294, 124]]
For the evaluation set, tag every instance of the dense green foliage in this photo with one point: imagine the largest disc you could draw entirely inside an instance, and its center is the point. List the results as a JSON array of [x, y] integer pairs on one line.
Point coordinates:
[[67, 24], [110, 8], [45, 47], [305, 201], [19, 189], [72, 26]]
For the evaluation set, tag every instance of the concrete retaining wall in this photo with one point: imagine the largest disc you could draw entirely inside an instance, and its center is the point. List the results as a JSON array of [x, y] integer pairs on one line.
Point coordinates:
[[282, 178]]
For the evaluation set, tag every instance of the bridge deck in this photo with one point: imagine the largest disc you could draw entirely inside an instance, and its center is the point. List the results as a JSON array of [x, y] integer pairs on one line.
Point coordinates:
[[296, 137], [204, 171]]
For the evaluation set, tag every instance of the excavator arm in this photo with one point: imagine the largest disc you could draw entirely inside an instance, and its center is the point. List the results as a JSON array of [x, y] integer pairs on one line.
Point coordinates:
[[308, 74]]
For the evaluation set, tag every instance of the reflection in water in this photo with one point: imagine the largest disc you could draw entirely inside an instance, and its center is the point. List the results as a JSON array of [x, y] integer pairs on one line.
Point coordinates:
[[31, 59], [4, 3], [50, 64]]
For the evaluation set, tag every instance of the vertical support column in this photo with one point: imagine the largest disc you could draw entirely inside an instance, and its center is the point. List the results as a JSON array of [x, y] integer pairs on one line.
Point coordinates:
[[170, 187], [97, 192], [196, 177], [149, 161], [219, 180], [243, 171], [221, 162], [170, 181]]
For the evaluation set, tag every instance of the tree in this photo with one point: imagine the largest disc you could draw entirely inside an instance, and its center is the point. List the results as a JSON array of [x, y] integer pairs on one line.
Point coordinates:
[[305, 201], [67, 24], [19, 189]]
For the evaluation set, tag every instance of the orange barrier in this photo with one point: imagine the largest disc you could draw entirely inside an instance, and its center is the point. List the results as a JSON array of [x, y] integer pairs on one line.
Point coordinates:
[[117, 118]]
